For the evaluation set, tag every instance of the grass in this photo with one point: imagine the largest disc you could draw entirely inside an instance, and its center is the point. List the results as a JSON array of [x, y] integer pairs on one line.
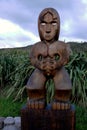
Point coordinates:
[[10, 108], [81, 118]]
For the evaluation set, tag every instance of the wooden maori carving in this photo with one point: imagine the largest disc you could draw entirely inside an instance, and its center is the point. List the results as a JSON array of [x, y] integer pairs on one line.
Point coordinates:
[[49, 57]]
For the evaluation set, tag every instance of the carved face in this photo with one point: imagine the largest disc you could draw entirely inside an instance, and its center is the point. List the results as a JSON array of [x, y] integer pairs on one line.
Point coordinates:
[[48, 25]]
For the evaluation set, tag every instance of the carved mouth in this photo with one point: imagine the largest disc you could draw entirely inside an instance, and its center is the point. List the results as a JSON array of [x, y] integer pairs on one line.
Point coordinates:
[[47, 34]]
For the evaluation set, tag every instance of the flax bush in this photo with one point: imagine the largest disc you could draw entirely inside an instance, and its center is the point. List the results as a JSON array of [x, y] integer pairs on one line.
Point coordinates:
[[15, 69]]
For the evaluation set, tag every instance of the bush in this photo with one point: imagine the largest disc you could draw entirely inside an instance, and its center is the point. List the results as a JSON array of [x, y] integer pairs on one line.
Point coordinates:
[[15, 69]]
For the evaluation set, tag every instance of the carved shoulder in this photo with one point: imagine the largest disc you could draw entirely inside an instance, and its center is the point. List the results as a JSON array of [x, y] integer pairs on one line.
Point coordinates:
[[38, 48]]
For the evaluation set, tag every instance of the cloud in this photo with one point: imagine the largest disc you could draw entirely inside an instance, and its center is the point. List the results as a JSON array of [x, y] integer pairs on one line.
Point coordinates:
[[20, 19], [13, 35]]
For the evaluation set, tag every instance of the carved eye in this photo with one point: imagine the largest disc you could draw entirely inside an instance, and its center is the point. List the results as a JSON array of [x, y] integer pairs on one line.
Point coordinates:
[[40, 57], [43, 23], [54, 23], [57, 57]]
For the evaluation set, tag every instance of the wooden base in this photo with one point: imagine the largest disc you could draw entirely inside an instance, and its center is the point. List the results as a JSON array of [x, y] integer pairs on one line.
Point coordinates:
[[39, 119]]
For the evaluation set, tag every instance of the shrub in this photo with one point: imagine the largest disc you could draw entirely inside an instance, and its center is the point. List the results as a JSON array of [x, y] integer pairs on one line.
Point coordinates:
[[15, 69]]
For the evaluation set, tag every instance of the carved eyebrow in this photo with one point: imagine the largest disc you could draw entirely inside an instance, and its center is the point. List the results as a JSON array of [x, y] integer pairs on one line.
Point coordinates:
[[43, 21], [54, 21]]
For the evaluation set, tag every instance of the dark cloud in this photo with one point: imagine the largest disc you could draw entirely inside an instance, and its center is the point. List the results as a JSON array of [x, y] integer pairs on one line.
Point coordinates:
[[25, 14]]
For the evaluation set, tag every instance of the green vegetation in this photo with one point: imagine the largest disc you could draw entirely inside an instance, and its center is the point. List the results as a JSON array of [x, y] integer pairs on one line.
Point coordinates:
[[81, 118], [77, 69], [15, 69], [78, 47], [10, 108]]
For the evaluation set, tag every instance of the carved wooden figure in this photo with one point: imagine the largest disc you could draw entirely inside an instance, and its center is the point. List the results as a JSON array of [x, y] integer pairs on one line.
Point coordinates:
[[49, 57]]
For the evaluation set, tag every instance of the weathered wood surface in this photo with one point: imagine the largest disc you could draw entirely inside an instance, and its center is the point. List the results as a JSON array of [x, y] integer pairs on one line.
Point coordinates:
[[39, 119]]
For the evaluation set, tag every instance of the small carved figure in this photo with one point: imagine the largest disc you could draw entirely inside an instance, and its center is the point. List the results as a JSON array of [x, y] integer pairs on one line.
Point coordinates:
[[49, 57]]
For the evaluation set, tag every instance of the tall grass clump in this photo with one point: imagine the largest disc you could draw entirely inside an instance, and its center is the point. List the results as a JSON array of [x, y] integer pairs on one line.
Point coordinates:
[[77, 68], [15, 69]]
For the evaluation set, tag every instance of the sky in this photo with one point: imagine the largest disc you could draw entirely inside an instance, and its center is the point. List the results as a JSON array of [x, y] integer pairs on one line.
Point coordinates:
[[18, 21]]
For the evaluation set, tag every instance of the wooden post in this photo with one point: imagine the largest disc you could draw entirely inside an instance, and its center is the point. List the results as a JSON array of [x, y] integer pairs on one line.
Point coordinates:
[[39, 119]]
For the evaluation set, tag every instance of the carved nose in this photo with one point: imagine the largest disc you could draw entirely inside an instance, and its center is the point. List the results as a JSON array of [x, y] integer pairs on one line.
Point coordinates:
[[48, 29]]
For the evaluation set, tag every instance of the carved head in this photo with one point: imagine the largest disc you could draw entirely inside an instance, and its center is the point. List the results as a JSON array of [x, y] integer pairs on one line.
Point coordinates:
[[49, 25]]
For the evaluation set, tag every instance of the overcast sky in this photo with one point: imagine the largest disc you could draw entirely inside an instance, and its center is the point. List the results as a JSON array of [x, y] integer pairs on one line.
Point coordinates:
[[18, 20]]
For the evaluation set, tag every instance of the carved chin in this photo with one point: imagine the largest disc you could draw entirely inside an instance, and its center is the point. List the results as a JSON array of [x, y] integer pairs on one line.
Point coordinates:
[[48, 37]]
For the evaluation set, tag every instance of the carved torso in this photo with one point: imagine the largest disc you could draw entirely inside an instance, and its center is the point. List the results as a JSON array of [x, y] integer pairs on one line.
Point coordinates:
[[48, 58]]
